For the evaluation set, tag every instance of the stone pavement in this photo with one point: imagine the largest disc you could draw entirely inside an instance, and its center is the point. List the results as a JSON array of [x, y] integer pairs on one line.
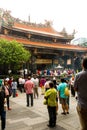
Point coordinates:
[[36, 117]]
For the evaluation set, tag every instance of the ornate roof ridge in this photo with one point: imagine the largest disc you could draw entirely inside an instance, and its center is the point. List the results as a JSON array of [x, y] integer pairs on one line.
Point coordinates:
[[10, 21]]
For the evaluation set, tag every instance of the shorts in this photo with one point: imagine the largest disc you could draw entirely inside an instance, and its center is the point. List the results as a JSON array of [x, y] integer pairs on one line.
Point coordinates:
[[63, 101]]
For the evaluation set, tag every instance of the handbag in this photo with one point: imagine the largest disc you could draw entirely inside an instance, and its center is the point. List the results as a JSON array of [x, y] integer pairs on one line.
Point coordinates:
[[67, 93], [45, 102], [16, 94]]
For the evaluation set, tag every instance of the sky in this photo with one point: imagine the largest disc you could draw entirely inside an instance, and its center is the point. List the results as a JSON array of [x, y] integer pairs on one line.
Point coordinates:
[[69, 14]]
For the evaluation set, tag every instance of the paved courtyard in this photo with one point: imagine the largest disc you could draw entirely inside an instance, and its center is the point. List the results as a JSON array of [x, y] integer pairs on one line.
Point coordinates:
[[36, 117]]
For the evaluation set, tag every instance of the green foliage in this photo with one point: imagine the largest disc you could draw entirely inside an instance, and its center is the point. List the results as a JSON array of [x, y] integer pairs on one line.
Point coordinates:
[[12, 52]]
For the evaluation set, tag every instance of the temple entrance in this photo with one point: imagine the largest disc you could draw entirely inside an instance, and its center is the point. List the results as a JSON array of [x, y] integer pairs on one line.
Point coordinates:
[[41, 67]]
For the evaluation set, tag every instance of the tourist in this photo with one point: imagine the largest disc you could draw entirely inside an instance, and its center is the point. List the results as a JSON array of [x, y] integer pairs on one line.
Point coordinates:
[[42, 82], [80, 85], [20, 84], [0, 82], [2, 109], [46, 85], [28, 86], [71, 85], [14, 87], [62, 97], [9, 83], [36, 85], [7, 93], [55, 86], [51, 96]]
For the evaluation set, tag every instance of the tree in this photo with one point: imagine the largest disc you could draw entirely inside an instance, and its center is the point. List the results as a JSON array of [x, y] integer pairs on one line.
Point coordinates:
[[13, 54]]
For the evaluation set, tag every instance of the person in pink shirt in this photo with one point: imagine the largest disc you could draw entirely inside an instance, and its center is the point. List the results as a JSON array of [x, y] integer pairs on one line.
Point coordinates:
[[42, 82], [29, 85]]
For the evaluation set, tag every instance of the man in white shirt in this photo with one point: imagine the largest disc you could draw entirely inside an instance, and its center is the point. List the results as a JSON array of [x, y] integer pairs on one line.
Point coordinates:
[[36, 85]]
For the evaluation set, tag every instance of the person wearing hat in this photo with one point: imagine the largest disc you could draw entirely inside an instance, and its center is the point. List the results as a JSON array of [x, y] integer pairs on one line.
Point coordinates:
[[2, 109]]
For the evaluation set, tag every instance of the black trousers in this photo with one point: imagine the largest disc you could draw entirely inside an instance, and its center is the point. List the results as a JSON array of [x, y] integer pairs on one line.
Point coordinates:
[[7, 98], [72, 91], [52, 115], [21, 87], [29, 96], [3, 119]]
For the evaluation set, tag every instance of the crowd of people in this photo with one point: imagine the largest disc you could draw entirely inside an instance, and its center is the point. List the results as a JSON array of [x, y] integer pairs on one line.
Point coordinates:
[[53, 91], [55, 72], [10, 87]]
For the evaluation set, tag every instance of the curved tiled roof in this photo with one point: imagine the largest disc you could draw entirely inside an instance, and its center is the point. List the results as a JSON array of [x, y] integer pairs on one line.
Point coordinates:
[[58, 46], [43, 30]]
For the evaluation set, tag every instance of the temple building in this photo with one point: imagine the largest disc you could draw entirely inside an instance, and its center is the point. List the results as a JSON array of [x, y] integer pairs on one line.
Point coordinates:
[[47, 46]]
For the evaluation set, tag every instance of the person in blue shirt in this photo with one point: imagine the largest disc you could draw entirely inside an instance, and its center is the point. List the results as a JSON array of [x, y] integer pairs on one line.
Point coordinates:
[[62, 97]]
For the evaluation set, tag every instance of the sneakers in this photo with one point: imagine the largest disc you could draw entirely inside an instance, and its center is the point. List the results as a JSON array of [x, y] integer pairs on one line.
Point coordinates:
[[67, 113], [64, 113], [51, 126]]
